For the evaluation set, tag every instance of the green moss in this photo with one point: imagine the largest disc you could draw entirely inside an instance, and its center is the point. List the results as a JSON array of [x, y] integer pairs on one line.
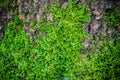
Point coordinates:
[[57, 56], [2, 1], [113, 16]]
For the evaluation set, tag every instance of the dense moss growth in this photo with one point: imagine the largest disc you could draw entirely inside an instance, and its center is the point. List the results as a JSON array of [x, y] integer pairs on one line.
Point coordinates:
[[57, 55], [113, 16]]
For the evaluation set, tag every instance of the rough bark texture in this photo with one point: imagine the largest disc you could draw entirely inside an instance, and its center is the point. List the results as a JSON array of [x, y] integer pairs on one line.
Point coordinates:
[[27, 10], [98, 26], [33, 9], [5, 16]]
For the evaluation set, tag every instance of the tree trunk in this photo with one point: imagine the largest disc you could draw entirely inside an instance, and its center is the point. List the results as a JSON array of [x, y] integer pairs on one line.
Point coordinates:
[[27, 10], [97, 27]]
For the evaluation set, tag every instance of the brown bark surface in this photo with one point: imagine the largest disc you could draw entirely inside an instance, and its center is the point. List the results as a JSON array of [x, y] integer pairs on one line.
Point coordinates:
[[97, 27], [29, 10]]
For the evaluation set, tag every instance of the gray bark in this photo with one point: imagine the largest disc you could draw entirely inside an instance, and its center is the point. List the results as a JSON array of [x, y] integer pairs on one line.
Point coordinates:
[[97, 26]]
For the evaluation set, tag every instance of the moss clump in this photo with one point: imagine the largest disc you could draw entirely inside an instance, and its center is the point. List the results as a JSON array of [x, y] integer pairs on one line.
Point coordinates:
[[57, 56], [113, 16]]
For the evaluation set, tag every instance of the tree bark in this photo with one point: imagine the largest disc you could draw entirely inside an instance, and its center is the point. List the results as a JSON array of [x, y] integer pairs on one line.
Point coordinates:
[[97, 27], [29, 10]]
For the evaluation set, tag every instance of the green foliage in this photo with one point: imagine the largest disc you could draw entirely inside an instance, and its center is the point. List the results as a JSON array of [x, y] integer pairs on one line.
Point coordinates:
[[58, 52], [113, 16], [2, 1], [5, 5], [104, 65]]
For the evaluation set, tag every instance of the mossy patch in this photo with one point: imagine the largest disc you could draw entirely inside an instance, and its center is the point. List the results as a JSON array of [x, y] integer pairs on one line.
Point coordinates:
[[58, 54]]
